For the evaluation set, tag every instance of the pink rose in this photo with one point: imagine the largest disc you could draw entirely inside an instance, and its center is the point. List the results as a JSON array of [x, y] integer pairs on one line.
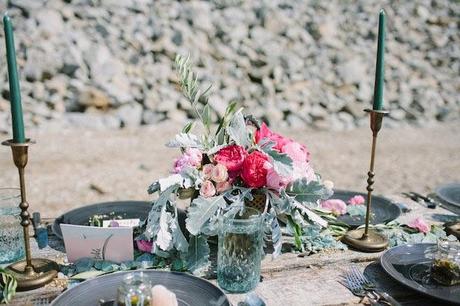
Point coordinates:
[[207, 189], [144, 245], [232, 157], [356, 200], [335, 206], [219, 173], [207, 171], [254, 172], [265, 133], [223, 186], [191, 158], [420, 225]]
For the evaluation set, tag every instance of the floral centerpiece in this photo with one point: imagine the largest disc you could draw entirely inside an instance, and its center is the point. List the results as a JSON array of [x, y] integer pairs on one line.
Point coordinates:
[[241, 162]]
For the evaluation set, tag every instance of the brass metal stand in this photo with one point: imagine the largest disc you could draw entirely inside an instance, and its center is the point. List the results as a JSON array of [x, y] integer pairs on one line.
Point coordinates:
[[364, 239], [31, 273]]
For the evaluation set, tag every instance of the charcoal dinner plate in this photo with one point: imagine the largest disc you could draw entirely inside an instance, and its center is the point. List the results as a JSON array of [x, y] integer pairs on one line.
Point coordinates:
[[382, 209], [81, 215], [409, 265], [450, 193], [189, 290]]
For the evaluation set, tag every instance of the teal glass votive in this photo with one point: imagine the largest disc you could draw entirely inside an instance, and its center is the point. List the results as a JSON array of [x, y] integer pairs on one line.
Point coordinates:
[[11, 232], [240, 251]]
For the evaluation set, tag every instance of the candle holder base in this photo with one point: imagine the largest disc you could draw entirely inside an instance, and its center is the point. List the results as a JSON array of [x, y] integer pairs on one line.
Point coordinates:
[[41, 273], [372, 242]]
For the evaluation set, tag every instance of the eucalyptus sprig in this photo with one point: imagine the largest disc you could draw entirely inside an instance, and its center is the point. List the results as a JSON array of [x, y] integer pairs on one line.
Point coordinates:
[[192, 91], [8, 286]]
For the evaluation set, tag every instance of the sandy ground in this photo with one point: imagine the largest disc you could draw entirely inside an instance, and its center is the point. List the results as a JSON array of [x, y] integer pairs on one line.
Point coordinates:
[[73, 168]]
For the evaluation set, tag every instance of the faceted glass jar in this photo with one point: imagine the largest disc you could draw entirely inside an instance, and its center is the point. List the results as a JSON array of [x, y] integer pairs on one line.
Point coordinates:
[[11, 231], [240, 251], [446, 263], [136, 290]]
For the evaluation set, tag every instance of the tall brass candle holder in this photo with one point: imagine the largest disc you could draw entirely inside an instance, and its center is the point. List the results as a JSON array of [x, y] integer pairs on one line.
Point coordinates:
[[30, 273], [364, 239]]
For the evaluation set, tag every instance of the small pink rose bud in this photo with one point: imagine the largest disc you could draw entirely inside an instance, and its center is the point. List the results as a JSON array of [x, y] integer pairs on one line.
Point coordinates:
[[223, 186], [207, 171], [207, 189], [219, 173]]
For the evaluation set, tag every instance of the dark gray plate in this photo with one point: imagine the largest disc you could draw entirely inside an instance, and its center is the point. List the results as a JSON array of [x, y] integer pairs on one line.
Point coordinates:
[[382, 209], [409, 264], [450, 193], [81, 215], [189, 290]]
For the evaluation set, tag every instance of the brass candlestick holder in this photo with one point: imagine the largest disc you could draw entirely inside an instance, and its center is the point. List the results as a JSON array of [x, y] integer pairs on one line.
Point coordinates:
[[31, 273], [364, 239]]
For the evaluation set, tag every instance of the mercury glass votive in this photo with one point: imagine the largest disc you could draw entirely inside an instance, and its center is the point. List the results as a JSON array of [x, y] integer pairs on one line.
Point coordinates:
[[11, 231], [240, 251], [136, 290]]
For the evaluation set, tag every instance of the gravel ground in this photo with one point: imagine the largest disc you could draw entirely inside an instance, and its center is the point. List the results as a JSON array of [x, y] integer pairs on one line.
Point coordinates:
[[76, 167]]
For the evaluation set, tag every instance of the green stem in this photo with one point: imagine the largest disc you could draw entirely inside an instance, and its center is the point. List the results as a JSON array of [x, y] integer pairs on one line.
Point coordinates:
[[297, 233]]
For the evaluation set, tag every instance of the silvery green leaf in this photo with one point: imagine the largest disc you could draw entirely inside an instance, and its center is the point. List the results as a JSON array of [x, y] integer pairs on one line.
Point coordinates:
[[184, 140], [307, 191], [180, 243], [153, 218], [238, 131], [206, 116], [201, 210], [172, 180], [310, 214], [276, 237], [188, 127], [198, 254], [281, 161], [282, 203], [164, 237], [356, 210]]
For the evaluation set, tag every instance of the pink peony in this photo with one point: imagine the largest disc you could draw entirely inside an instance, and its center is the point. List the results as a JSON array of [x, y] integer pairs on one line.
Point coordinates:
[[207, 189], [232, 157], [207, 171], [420, 225], [144, 245], [356, 200], [265, 133], [336, 206], [223, 186], [191, 158], [254, 172]]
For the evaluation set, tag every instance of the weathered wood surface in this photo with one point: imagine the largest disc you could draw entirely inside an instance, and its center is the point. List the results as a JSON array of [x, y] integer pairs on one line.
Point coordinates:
[[290, 279]]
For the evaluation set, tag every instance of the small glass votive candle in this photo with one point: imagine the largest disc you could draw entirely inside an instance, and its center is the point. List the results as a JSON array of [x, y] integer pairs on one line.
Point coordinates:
[[446, 263], [240, 251], [136, 290], [11, 231]]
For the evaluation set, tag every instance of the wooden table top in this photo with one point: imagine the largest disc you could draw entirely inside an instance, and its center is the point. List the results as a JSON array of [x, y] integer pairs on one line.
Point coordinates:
[[289, 279]]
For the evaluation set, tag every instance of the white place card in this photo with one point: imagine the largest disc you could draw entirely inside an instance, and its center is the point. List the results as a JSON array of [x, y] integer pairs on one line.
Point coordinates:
[[110, 243]]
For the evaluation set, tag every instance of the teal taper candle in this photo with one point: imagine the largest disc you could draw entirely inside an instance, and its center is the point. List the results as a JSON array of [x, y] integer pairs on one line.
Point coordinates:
[[15, 94], [379, 70]]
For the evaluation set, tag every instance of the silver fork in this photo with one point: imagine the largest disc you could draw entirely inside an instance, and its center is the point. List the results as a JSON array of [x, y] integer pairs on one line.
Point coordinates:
[[349, 281], [367, 285]]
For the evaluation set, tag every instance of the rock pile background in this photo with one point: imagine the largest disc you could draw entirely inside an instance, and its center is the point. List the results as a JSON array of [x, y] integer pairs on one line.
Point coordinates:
[[107, 64]]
